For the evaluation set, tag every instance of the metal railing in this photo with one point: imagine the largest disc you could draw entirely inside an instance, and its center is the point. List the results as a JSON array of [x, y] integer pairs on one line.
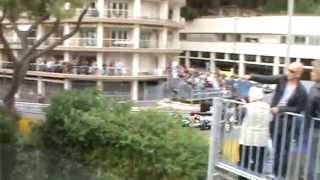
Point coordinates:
[[149, 44], [93, 69], [117, 13], [289, 151], [68, 68], [83, 42], [118, 43]]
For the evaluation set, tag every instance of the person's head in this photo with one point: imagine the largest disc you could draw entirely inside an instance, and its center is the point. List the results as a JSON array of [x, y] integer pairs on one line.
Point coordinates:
[[255, 94], [315, 73], [295, 71]]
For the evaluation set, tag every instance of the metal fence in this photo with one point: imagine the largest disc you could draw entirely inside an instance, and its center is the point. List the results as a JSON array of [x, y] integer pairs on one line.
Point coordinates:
[[292, 151]]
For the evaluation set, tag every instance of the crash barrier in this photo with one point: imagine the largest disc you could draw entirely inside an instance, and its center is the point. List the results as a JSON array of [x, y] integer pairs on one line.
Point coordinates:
[[292, 151], [30, 108], [190, 94], [205, 94]]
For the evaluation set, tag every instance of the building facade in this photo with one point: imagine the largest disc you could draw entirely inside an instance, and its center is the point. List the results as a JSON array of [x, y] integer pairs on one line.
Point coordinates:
[[123, 48], [255, 44]]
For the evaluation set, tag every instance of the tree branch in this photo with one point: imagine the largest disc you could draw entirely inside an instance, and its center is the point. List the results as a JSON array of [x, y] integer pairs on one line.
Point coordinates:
[[65, 37], [41, 40], [21, 35], [4, 11], [7, 50], [36, 24]]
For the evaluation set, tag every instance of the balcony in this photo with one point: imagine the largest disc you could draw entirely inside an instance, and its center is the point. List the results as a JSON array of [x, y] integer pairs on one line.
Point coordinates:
[[149, 44], [83, 42], [117, 43], [117, 13], [66, 70]]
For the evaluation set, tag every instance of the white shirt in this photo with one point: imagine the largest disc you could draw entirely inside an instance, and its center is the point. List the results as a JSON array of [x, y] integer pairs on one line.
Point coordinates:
[[287, 94]]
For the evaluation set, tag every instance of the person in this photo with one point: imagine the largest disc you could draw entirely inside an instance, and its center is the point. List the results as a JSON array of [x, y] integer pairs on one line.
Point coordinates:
[[254, 133], [313, 111], [289, 96], [313, 104]]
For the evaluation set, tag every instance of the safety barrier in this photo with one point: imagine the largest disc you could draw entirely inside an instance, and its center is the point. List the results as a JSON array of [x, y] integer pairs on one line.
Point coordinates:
[[292, 150]]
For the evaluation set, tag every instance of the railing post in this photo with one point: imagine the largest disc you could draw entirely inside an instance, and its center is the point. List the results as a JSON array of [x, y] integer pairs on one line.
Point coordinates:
[[214, 137]]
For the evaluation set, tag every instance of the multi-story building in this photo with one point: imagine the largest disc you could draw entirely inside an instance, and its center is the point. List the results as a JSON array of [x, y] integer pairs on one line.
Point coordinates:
[[255, 44], [123, 48]]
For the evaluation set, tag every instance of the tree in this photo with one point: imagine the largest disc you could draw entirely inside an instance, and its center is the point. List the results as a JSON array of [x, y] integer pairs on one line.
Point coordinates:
[[37, 12]]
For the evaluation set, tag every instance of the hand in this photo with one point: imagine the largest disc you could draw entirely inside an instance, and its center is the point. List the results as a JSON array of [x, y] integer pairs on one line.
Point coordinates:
[[246, 77], [275, 110]]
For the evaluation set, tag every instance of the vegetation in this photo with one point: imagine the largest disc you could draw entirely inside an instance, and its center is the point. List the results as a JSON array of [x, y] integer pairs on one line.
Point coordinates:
[[196, 8], [8, 136], [37, 12], [86, 135]]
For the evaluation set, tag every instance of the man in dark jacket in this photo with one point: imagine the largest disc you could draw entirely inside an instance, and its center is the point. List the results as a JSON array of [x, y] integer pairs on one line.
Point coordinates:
[[313, 105], [289, 96], [312, 125]]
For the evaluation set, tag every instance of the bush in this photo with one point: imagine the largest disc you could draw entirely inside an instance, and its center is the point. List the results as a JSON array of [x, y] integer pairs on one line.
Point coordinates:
[[301, 6], [189, 13], [8, 140], [104, 136]]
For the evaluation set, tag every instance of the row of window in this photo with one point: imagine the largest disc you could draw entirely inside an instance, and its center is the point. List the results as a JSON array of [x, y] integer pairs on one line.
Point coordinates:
[[253, 38], [247, 57]]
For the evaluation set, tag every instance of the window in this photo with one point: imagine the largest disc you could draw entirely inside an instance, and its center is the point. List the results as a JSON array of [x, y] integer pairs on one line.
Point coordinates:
[[283, 40], [282, 60], [220, 55], [194, 53], [250, 58], [314, 40], [183, 36], [221, 37], [234, 57], [251, 40], [293, 59], [233, 38], [170, 14], [205, 54], [145, 41], [117, 9], [88, 37], [183, 53], [299, 39], [267, 59], [307, 62], [117, 36], [182, 62]]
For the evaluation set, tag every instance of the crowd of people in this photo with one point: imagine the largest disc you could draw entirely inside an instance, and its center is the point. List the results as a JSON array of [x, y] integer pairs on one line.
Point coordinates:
[[198, 79], [86, 67], [289, 96]]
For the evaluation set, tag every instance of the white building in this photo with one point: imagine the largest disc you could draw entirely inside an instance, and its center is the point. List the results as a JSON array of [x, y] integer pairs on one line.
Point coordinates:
[[250, 44], [123, 48]]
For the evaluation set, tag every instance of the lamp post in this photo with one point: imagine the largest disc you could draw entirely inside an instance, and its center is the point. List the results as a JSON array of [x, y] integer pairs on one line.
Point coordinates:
[[289, 33]]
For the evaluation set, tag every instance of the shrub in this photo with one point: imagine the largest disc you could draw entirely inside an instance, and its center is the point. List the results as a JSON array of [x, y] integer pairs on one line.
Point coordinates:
[[110, 141], [8, 139]]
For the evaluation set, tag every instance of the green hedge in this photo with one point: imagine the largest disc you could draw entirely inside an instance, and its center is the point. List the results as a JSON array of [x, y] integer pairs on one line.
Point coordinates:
[[111, 142]]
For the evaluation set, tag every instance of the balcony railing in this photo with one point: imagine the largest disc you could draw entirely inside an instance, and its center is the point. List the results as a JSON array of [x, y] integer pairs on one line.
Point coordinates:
[[52, 40], [149, 44], [93, 42], [69, 68], [83, 42], [118, 43], [117, 13], [90, 13]]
